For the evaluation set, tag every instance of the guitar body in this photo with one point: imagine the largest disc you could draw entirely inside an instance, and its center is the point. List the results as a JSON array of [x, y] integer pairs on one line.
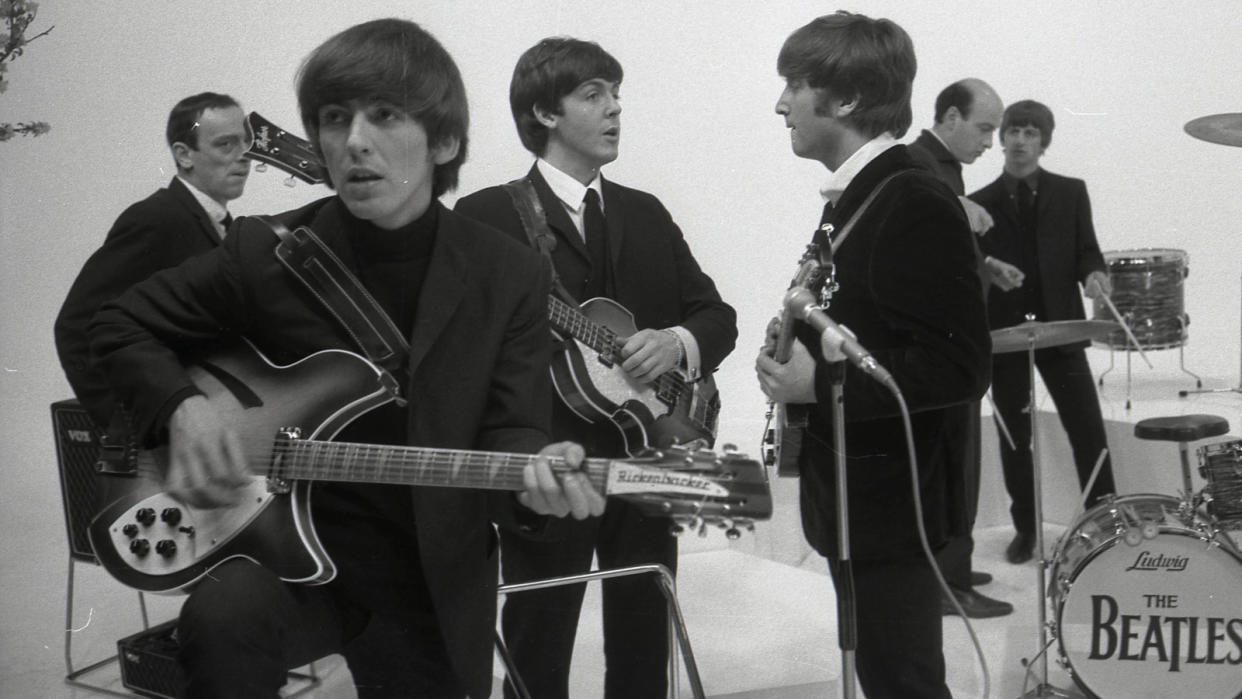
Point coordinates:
[[321, 394], [785, 439], [595, 387]]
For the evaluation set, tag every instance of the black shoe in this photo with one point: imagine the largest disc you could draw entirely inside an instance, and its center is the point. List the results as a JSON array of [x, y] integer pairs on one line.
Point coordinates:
[[1021, 549], [978, 577], [975, 605]]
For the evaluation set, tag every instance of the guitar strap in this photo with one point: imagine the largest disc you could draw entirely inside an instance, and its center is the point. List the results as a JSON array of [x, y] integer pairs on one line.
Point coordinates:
[[535, 224], [839, 238], [322, 272]]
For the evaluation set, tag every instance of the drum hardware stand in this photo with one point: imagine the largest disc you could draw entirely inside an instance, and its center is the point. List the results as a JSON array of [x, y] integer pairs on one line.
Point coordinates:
[[1042, 689], [1181, 363], [1200, 389]]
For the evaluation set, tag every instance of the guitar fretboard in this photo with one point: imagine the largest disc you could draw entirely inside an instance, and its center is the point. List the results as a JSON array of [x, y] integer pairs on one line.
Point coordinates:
[[670, 387], [351, 462], [571, 321]]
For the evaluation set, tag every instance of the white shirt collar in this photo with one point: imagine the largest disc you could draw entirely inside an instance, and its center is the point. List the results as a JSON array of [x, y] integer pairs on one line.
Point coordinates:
[[215, 210], [938, 138], [840, 179], [569, 190]]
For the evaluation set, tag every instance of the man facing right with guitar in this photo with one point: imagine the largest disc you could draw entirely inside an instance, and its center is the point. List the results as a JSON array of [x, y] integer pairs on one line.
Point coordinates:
[[610, 241]]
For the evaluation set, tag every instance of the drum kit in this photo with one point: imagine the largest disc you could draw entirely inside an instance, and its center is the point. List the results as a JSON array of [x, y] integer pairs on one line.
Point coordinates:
[[1146, 589]]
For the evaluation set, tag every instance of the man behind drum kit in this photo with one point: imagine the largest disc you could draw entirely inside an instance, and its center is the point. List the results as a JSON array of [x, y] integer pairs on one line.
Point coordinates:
[[1042, 245]]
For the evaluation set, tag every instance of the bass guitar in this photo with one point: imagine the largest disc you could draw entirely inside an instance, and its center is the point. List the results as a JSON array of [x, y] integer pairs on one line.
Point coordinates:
[[587, 374], [785, 423], [151, 541]]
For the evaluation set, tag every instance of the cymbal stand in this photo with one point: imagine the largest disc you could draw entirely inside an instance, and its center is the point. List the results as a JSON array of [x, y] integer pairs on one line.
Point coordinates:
[[1042, 689], [1200, 389]]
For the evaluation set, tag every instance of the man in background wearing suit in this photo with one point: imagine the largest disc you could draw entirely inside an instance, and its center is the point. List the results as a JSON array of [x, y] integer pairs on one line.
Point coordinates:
[[620, 243], [208, 136], [907, 286], [1043, 245], [967, 113]]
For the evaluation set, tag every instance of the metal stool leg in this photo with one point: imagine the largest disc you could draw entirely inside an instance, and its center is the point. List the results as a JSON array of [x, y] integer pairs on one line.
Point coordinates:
[[667, 588]]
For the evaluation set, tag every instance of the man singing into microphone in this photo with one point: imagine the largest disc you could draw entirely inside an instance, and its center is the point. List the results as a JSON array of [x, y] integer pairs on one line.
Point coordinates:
[[909, 290]]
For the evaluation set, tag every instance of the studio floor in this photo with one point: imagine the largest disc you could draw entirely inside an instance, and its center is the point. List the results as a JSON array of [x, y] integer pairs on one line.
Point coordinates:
[[758, 630], [760, 612]]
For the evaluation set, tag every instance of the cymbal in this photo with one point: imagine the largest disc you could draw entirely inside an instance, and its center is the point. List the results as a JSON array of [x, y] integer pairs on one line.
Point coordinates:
[[1225, 129], [1037, 335]]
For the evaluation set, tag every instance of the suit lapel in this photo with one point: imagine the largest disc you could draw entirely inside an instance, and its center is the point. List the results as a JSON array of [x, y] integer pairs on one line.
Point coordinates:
[[443, 289], [186, 198], [614, 222], [558, 218]]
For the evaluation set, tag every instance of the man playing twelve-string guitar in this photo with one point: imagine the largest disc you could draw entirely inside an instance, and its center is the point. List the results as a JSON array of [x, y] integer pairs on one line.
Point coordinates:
[[412, 607]]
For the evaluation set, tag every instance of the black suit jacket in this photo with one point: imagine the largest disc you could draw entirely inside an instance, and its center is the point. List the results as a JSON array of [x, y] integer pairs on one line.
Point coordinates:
[[909, 291], [158, 232], [930, 153], [1065, 236], [478, 377], [653, 274]]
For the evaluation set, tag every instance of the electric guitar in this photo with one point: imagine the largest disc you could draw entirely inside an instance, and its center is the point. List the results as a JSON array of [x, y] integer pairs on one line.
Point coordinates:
[[587, 374], [151, 541], [786, 423], [272, 145]]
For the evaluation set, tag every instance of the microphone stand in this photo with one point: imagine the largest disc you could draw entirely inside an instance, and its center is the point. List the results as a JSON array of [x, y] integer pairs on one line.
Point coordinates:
[[847, 625]]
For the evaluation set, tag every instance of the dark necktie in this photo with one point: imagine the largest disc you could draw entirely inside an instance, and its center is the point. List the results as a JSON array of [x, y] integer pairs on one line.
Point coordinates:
[[596, 233], [227, 221], [1026, 205], [1032, 292]]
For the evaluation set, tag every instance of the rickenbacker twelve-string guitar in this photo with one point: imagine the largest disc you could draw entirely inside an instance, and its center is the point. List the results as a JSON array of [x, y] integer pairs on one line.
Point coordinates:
[[151, 541], [782, 435], [587, 374]]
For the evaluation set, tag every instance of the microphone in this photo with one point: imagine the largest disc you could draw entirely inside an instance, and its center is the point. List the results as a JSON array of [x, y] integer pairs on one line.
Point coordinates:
[[800, 303]]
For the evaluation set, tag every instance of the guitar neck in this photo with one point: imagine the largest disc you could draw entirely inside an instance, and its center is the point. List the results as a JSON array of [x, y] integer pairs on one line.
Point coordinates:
[[346, 462], [569, 320]]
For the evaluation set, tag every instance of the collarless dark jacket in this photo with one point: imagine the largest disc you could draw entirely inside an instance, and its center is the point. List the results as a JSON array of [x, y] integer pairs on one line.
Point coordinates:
[[478, 378], [158, 232], [909, 291], [1066, 243]]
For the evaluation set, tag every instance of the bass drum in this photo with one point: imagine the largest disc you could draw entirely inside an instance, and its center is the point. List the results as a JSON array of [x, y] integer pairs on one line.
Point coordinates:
[[1148, 604]]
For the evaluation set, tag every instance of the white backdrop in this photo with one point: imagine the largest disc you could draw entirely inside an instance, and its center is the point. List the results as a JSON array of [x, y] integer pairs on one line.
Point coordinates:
[[699, 131]]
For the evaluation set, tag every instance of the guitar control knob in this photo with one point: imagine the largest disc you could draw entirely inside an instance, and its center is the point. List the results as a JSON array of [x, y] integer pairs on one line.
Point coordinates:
[[676, 528], [166, 548], [171, 516], [130, 530], [733, 534], [139, 547], [145, 516]]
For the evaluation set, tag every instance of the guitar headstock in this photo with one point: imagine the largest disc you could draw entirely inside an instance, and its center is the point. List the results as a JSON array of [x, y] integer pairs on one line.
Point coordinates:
[[275, 146], [696, 488]]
